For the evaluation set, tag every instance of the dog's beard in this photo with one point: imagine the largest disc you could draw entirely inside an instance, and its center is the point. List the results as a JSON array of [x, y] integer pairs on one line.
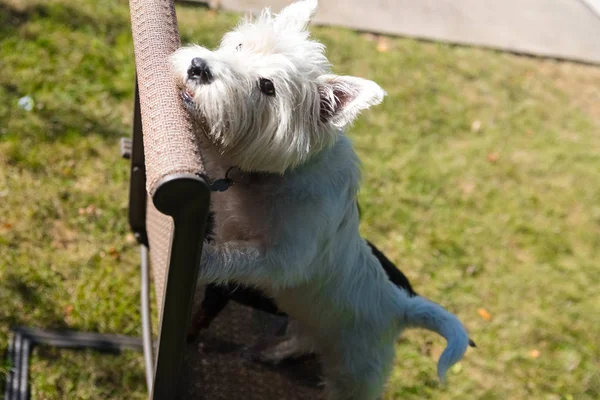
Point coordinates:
[[200, 122]]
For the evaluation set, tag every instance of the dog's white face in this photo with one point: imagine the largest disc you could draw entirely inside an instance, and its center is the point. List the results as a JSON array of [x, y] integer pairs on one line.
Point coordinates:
[[265, 97]]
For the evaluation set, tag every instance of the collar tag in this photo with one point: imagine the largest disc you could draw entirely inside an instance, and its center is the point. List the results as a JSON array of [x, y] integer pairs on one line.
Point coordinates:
[[221, 185]]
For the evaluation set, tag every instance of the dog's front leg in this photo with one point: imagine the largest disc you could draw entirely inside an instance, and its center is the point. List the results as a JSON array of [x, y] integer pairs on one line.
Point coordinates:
[[248, 263]]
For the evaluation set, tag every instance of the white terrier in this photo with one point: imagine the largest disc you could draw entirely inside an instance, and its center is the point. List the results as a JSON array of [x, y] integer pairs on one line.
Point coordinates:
[[266, 104]]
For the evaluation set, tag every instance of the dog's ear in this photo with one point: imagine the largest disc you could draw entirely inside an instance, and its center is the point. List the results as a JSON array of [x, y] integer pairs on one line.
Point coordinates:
[[343, 97], [297, 15]]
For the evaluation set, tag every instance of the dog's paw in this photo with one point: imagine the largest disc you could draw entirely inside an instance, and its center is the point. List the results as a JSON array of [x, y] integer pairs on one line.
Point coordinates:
[[274, 351], [265, 356]]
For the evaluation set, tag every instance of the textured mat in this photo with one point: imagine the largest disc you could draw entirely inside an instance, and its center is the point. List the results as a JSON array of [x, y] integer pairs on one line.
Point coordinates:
[[214, 368]]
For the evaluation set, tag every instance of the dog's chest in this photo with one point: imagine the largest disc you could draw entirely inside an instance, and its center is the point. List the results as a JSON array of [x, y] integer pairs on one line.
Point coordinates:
[[241, 212]]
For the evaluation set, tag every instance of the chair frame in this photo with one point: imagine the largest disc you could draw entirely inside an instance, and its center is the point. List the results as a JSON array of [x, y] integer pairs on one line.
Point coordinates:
[[185, 198]]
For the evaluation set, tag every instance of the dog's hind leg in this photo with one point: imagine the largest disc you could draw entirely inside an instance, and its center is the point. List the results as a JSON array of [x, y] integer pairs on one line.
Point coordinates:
[[295, 343], [357, 371], [215, 299]]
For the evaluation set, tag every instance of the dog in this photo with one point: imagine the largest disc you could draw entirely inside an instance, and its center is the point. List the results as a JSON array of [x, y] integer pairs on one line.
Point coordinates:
[[271, 119], [216, 297]]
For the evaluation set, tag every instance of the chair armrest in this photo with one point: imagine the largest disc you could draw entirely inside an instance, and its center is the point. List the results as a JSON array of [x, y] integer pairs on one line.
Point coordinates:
[[172, 160], [185, 197], [170, 146]]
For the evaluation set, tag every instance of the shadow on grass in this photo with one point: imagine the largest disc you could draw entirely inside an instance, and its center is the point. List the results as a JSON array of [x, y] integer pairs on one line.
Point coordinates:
[[71, 104], [11, 19], [61, 123], [28, 296], [84, 372], [56, 121]]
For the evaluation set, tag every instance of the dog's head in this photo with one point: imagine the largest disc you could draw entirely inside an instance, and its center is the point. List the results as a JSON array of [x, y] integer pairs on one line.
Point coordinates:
[[265, 97]]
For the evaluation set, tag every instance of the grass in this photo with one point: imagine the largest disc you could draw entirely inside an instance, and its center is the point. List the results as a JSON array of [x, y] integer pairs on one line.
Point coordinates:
[[481, 181]]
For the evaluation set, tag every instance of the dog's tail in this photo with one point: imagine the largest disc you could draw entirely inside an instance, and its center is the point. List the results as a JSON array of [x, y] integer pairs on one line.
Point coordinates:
[[422, 313]]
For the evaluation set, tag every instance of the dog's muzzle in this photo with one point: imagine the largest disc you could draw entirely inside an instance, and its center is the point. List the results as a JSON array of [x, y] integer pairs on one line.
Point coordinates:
[[200, 71]]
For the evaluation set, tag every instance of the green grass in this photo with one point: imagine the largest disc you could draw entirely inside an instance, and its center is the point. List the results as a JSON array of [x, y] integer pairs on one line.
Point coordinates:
[[481, 181]]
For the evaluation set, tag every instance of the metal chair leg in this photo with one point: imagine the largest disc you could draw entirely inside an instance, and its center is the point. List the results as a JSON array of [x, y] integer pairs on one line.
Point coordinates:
[[146, 319]]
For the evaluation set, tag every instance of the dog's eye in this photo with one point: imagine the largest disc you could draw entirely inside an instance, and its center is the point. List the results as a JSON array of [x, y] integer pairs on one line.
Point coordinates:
[[238, 47], [267, 87]]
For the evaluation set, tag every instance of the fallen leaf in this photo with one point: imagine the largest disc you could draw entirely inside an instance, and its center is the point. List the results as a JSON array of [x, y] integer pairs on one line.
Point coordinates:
[[485, 314], [130, 238], [5, 227], [383, 45], [457, 368], [476, 126], [114, 253], [467, 187], [493, 157], [69, 310], [535, 353]]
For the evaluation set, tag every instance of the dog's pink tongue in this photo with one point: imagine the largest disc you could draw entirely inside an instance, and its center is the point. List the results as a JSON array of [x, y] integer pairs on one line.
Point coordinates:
[[187, 95]]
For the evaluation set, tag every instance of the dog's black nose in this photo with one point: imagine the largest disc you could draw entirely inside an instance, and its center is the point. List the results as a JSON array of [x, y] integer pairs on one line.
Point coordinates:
[[200, 70]]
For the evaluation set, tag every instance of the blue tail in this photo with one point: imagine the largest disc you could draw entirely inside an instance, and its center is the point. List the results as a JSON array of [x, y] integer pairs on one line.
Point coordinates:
[[422, 313]]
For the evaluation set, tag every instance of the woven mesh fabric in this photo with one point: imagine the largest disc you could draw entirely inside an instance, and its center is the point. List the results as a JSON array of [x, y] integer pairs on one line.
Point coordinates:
[[160, 232], [169, 143], [216, 370]]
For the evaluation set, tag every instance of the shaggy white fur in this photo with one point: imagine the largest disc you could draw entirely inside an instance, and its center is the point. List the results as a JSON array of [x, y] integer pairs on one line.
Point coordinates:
[[266, 102]]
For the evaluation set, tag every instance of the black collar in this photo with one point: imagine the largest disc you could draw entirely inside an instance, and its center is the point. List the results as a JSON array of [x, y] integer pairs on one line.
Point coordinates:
[[221, 185]]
